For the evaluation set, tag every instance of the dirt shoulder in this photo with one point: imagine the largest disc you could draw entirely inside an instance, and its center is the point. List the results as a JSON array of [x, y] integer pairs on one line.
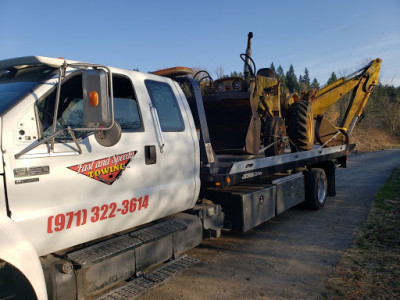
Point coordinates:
[[370, 268]]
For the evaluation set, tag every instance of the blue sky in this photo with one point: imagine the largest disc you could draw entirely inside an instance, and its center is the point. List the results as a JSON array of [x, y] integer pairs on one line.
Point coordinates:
[[323, 36]]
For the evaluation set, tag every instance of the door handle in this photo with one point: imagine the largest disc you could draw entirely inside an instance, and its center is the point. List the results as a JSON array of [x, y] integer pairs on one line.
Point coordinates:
[[150, 155]]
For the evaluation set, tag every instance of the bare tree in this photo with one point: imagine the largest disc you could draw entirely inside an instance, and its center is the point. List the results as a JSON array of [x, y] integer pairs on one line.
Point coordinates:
[[196, 72], [219, 71]]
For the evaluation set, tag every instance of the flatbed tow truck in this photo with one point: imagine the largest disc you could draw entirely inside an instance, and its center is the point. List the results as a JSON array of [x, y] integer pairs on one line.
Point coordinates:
[[109, 176]]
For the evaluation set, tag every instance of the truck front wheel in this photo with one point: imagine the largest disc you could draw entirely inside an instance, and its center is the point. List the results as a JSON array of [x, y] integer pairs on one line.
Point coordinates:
[[13, 284], [315, 188]]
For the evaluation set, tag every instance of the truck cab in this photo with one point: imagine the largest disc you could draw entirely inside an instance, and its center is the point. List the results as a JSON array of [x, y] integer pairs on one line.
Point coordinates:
[[59, 186]]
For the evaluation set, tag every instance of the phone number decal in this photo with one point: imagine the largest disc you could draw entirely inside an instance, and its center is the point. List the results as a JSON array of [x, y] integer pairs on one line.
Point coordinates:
[[97, 213]]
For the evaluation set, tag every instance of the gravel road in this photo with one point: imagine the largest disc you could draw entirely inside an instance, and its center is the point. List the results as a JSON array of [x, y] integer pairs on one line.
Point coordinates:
[[290, 256]]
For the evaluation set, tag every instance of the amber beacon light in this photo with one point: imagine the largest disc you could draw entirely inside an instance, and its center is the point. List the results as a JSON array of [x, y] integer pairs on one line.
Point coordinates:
[[94, 98]]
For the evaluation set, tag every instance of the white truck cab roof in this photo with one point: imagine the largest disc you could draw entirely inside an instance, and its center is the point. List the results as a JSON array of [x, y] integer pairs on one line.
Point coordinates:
[[20, 62]]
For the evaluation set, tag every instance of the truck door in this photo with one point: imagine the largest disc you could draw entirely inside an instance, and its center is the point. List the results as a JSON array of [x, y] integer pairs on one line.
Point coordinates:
[[179, 155], [64, 198]]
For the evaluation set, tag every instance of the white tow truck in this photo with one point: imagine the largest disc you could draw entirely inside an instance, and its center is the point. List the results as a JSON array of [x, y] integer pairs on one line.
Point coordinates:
[[106, 173]]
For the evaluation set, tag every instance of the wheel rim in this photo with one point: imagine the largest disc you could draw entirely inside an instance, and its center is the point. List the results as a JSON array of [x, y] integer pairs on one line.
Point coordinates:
[[309, 125], [321, 191], [281, 135], [274, 133]]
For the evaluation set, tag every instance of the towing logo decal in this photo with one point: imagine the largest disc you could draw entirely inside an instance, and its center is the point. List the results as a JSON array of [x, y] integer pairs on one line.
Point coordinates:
[[106, 170]]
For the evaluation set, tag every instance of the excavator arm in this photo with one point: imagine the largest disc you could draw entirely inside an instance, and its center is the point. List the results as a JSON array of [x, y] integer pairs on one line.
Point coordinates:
[[360, 83]]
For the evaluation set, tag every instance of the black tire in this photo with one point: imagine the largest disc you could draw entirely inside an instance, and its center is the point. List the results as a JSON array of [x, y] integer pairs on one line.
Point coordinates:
[[301, 126], [275, 130], [315, 188]]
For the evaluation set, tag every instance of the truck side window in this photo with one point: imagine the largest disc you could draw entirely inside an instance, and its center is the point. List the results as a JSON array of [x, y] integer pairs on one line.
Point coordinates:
[[165, 102], [126, 110], [70, 110]]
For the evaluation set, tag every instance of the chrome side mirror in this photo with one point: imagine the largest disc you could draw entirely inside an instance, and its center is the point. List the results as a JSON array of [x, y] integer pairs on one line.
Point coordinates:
[[97, 99]]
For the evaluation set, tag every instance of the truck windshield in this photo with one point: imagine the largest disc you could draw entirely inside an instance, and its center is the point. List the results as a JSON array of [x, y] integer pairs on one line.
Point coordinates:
[[16, 83]]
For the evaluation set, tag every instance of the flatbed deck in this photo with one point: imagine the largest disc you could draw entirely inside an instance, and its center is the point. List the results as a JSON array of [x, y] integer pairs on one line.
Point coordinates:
[[235, 169]]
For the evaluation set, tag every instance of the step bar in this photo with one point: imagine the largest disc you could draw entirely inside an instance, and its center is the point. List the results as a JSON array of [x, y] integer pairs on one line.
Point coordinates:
[[142, 284]]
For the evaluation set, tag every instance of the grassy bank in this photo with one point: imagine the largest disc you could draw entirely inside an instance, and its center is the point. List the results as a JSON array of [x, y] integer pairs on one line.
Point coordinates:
[[373, 140], [370, 268]]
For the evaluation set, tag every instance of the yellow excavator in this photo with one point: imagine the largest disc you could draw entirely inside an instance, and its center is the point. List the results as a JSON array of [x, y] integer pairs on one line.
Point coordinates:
[[277, 119], [303, 116]]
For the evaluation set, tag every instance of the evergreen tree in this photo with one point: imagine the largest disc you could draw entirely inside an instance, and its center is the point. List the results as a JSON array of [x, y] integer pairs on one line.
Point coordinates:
[[272, 67], [315, 84], [306, 79], [281, 76], [280, 73], [236, 74], [291, 80], [332, 78]]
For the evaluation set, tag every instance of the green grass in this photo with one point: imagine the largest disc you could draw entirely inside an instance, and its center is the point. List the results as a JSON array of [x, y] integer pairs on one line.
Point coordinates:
[[389, 193], [370, 268]]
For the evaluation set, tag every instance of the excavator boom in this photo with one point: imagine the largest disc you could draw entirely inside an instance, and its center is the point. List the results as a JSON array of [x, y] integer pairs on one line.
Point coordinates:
[[361, 83]]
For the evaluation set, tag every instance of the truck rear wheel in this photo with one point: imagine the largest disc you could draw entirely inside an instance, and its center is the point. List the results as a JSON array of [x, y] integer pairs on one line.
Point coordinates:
[[315, 188], [301, 126], [275, 131]]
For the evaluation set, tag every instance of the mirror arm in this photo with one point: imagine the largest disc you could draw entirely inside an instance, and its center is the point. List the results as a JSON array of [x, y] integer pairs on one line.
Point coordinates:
[[110, 83], [54, 134], [61, 75], [51, 137], [34, 145], [72, 134]]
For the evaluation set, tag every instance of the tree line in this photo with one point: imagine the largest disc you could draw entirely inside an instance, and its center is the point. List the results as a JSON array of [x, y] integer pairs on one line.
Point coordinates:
[[382, 110], [289, 81]]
